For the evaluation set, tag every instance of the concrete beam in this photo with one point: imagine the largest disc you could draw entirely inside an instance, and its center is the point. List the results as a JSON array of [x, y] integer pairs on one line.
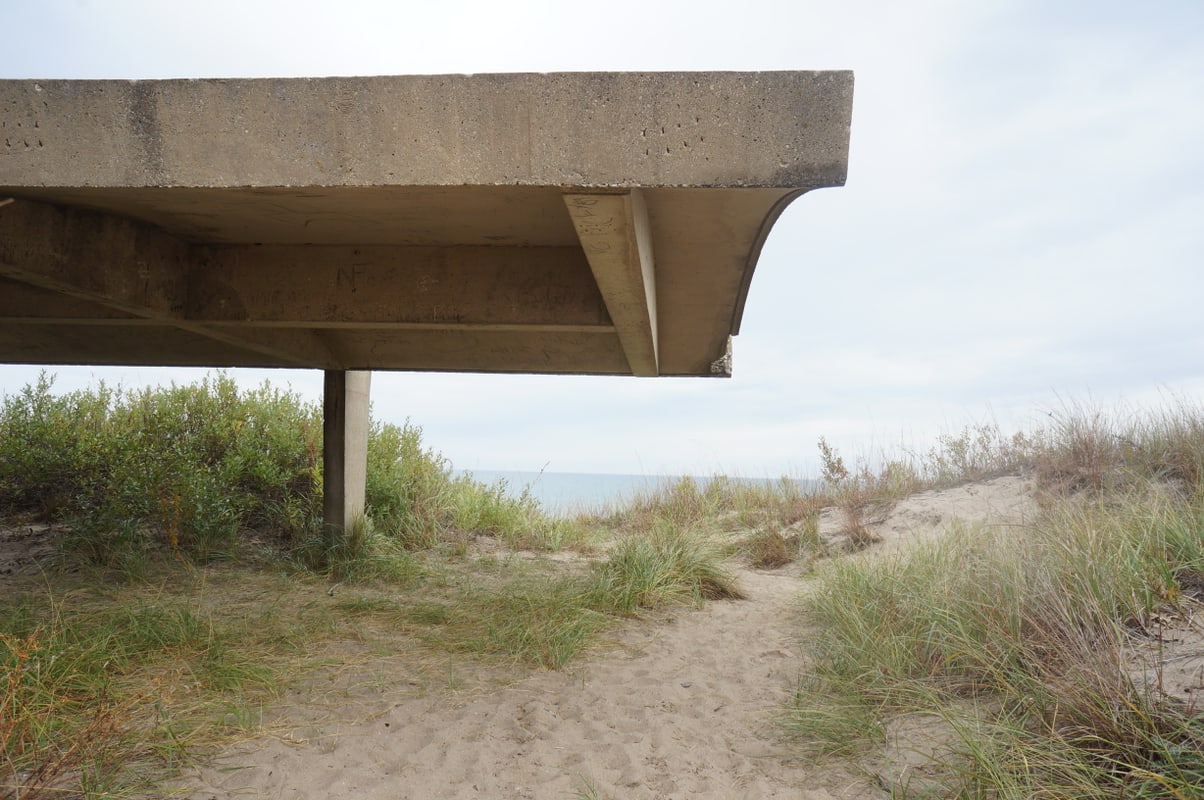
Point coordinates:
[[590, 352], [617, 241], [121, 264], [395, 287], [125, 267], [344, 451]]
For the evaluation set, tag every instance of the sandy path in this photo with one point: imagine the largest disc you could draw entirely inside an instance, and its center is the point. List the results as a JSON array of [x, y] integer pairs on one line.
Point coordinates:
[[683, 711]]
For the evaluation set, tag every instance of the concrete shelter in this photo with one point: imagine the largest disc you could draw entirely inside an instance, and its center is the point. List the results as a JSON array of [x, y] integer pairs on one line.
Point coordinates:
[[587, 223]]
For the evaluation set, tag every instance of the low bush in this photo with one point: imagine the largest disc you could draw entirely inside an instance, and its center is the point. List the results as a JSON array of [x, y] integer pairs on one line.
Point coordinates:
[[187, 468], [715, 503], [199, 470]]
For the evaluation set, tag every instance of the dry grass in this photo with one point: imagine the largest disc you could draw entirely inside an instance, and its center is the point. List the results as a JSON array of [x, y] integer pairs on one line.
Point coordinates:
[[44, 755], [1025, 644], [150, 672], [770, 549]]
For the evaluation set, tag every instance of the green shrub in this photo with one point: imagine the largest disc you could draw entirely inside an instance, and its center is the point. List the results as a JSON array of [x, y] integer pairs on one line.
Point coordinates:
[[56, 452], [197, 469], [413, 497], [215, 458], [187, 467], [406, 482]]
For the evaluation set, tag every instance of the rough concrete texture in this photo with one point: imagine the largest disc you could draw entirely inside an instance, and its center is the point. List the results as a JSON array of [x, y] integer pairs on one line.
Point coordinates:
[[428, 222], [717, 129], [345, 427]]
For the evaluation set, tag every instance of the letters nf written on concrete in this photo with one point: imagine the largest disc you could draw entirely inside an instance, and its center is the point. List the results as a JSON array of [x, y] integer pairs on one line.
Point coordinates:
[[601, 223]]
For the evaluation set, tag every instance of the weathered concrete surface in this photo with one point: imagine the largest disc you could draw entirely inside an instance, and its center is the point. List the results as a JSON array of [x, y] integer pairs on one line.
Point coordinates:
[[345, 426], [566, 223], [571, 129]]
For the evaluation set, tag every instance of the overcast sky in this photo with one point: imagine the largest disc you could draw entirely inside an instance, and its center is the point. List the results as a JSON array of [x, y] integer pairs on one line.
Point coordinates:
[[1023, 224]]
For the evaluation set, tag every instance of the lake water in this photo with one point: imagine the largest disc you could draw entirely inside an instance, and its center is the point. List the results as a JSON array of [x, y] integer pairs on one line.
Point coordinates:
[[567, 492]]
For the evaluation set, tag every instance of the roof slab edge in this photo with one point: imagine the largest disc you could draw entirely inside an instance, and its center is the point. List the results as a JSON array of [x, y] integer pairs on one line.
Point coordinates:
[[582, 130]]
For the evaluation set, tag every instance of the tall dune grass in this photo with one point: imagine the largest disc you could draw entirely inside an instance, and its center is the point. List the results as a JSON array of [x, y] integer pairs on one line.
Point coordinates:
[[670, 564], [1034, 643]]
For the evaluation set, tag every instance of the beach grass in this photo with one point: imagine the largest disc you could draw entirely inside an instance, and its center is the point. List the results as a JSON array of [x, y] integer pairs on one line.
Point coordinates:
[[1039, 647], [163, 668], [667, 565]]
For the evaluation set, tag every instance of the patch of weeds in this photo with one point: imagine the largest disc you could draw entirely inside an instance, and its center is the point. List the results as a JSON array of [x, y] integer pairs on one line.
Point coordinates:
[[553, 534], [49, 736], [669, 565], [535, 621], [427, 613], [821, 721], [586, 790], [368, 605], [770, 549], [363, 555]]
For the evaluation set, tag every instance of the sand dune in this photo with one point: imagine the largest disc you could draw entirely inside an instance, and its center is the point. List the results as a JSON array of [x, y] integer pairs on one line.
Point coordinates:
[[682, 709]]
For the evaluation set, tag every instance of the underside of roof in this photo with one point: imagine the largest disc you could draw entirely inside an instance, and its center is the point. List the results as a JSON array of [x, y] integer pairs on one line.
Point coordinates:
[[598, 223]]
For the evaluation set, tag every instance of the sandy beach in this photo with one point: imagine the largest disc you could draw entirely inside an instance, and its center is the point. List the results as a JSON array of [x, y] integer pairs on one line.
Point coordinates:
[[678, 708]]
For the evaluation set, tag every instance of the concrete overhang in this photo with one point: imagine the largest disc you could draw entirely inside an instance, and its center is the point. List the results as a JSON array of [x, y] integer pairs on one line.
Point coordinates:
[[596, 223]]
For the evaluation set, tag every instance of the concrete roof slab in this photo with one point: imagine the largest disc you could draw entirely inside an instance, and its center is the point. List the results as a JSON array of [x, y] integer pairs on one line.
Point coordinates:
[[419, 222]]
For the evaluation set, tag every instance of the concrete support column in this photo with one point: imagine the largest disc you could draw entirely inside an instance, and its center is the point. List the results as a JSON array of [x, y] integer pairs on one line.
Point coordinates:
[[345, 449]]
